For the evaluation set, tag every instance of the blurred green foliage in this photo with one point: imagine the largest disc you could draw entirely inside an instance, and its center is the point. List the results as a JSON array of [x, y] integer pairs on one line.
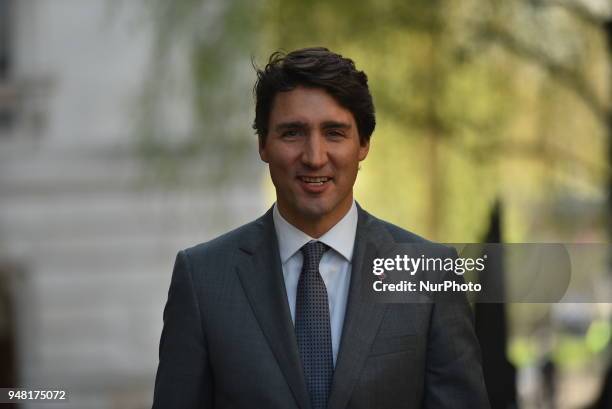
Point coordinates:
[[477, 101]]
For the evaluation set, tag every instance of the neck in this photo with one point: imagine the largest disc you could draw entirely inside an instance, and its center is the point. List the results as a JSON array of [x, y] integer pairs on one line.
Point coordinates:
[[316, 226]]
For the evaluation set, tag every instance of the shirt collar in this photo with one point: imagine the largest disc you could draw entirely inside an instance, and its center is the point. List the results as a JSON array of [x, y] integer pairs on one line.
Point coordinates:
[[341, 237]]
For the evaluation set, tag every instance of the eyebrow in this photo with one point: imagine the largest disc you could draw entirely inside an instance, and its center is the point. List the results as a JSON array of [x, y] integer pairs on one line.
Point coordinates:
[[304, 125], [291, 125], [336, 124]]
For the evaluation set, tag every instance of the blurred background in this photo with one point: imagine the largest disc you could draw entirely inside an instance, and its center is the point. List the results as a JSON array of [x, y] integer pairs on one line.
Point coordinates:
[[125, 135]]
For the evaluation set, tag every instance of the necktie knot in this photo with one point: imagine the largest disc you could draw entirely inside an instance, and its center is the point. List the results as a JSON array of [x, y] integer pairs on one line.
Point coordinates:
[[313, 252]]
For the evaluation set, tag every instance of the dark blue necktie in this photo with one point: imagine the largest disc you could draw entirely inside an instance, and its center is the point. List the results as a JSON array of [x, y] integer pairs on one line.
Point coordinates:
[[312, 327]]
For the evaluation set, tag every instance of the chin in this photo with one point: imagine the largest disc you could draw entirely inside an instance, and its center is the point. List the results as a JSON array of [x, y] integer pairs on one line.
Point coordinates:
[[315, 211]]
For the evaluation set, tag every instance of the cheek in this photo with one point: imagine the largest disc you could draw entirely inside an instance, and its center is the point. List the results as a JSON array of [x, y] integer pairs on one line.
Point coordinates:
[[280, 165], [281, 169], [279, 180], [282, 156], [348, 163]]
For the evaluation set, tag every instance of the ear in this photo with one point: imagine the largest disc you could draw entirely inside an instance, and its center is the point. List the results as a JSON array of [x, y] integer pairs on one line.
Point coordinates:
[[363, 150], [263, 153]]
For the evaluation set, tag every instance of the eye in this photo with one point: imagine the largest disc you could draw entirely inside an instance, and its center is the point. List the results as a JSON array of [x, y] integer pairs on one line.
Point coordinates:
[[335, 133], [290, 133]]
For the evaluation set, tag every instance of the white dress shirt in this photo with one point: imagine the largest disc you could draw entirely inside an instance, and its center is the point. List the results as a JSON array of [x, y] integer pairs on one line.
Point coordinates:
[[335, 266]]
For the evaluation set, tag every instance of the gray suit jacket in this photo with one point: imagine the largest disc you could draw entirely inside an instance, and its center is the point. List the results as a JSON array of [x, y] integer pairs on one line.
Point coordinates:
[[228, 340]]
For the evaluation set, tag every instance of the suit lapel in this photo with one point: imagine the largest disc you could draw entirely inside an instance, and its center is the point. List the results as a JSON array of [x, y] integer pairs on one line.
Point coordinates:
[[362, 318], [262, 279]]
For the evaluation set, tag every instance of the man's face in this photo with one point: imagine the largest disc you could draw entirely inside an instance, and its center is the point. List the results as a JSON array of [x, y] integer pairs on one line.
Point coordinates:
[[313, 151]]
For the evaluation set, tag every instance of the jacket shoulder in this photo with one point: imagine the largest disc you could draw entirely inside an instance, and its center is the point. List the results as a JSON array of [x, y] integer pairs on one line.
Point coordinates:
[[399, 235], [403, 236], [227, 243]]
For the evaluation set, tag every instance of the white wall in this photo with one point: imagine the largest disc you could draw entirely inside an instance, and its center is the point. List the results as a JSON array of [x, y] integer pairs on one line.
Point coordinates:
[[95, 247]]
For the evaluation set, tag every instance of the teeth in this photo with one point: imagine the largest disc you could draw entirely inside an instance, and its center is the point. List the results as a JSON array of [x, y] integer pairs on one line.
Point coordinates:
[[317, 180]]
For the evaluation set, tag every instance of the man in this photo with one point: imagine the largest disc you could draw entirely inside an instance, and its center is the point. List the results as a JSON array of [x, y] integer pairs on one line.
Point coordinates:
[[272, 315]]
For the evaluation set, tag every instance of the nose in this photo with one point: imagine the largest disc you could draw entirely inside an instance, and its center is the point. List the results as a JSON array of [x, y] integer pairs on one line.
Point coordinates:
[[314, 154]]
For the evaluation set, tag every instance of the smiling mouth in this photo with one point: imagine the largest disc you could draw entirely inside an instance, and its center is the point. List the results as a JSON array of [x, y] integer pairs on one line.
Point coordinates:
[[318, 180]]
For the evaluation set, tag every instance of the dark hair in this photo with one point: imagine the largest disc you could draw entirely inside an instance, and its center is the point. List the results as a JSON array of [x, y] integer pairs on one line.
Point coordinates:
[[317, 68]]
